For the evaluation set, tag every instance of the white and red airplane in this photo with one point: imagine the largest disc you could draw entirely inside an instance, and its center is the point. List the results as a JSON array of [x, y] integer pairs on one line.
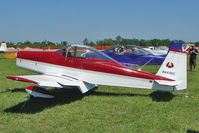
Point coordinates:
[[3, 47], [86, 67]]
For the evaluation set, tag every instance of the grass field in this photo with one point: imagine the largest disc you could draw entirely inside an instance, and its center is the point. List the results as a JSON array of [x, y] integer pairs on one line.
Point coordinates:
[[107, 109]]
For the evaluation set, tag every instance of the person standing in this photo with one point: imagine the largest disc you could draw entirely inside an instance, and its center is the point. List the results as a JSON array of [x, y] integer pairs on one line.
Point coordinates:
[[192, 60]]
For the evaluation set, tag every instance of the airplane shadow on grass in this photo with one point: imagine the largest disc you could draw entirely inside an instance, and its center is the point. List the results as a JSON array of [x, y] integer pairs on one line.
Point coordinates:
[[35, 105], [14, 90], [67, 96], [158, 96]]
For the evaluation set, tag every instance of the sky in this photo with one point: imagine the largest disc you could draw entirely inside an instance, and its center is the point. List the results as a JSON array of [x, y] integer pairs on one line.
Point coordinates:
[[75, 20]]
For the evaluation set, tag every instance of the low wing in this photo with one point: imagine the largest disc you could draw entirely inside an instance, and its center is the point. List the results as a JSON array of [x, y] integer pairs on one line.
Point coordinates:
[[55, 81]]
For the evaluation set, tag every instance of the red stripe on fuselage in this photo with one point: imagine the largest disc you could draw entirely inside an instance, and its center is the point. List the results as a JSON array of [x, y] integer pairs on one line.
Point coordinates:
[[97, 65]]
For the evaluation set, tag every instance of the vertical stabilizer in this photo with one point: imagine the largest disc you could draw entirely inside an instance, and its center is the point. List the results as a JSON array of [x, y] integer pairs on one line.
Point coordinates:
[[175, 45], [175, 67], [3, 46]]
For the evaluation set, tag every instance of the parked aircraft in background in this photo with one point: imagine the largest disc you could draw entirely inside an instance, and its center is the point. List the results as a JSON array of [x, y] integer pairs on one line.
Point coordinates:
[[11, 55], [156, 51], [3, 47], [135, 55], [86, 67]]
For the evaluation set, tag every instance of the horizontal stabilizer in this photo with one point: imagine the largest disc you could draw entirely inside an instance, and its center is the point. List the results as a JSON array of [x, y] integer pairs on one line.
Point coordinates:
[[168, 83]]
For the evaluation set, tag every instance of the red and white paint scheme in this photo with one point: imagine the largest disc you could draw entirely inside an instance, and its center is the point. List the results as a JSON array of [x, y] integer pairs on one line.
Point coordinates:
[[3, 47], [86, 67]]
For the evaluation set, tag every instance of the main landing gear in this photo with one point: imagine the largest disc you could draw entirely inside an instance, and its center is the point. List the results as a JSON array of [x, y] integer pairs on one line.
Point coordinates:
[[38, 92]]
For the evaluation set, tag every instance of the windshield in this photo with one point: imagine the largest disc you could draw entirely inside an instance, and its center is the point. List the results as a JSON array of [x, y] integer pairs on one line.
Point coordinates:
[[82, 51]]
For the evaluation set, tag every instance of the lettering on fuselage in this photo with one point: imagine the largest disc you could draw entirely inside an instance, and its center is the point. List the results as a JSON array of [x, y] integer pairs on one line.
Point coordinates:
[[167, 72]]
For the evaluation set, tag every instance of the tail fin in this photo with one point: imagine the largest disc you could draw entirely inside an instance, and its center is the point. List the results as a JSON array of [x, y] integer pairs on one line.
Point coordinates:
[[175, 67], [3, 45], [175, 45]]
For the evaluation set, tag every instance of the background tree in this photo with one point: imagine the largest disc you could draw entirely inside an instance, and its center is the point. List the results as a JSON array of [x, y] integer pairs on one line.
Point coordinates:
[[105, 42], [64, 43], [85, 41], [118, 39], [92, 43]]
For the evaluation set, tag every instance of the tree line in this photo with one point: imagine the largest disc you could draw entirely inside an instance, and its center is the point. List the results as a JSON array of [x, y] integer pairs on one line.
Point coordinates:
[[106, 42], [36, 44]]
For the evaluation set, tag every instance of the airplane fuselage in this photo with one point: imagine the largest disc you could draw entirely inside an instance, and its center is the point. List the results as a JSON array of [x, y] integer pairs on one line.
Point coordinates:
[[95, 71]]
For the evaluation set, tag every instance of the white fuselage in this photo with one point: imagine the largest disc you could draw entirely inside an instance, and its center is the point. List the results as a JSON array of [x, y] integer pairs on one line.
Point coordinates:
[[92, 77]]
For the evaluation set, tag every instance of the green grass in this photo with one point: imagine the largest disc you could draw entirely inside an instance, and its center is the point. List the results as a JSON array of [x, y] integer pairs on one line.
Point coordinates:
[[107, 109]]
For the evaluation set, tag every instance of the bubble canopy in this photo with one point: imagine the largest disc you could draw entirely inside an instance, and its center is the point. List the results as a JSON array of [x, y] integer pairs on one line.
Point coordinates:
[[83, 51]]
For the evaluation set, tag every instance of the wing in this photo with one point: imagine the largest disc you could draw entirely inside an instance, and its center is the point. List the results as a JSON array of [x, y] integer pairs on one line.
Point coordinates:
[[55, 81]]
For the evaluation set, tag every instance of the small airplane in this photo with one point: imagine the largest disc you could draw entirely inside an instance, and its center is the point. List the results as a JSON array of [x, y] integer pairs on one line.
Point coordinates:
[[133, 55], [3, 47], [85, 67], [155, 51], [159, 51]]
